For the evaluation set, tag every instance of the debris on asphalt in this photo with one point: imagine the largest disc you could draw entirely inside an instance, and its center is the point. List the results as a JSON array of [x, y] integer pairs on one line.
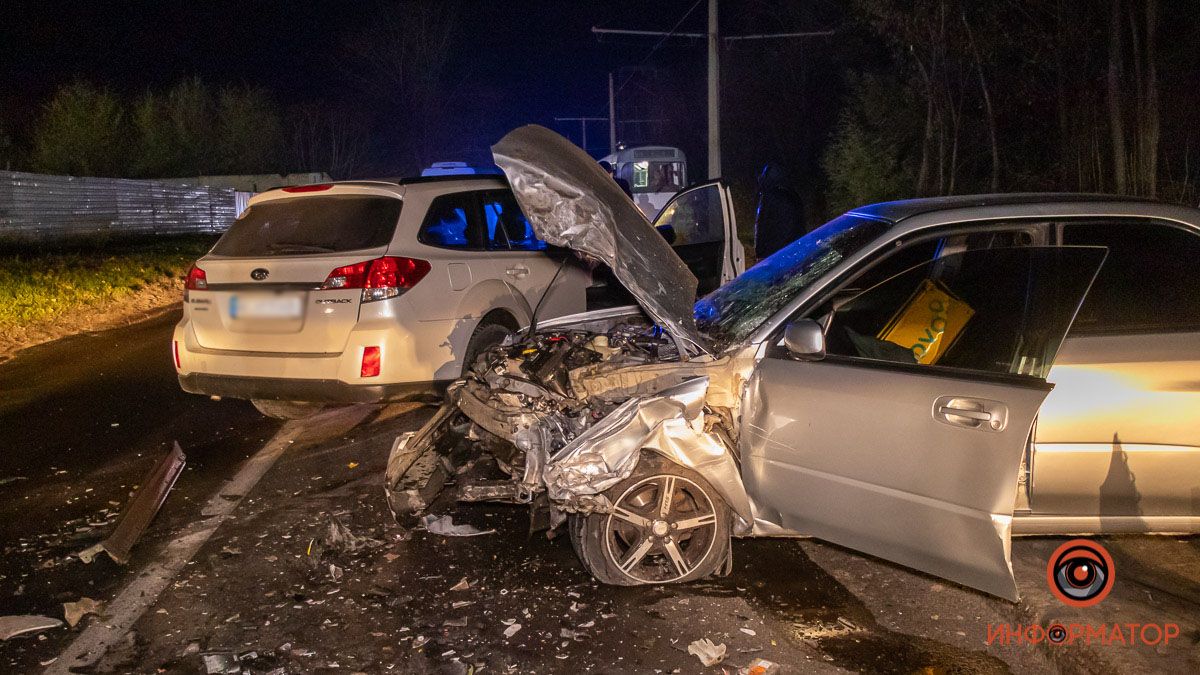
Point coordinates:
[[760, 667], [512, 630], [462, 585], [20, 624], [141, 509], [444, 525], [221, 663], [74, 612], [748, 631], [339, 537], [335, 572], [709, 654]]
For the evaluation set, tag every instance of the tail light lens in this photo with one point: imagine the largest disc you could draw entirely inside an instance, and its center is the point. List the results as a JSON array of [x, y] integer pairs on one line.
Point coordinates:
[[379, 279], [371, 362], [175, 352], [196, 281]]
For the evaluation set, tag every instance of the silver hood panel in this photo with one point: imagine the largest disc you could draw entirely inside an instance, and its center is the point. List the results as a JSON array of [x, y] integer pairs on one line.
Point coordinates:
[[571, 202]]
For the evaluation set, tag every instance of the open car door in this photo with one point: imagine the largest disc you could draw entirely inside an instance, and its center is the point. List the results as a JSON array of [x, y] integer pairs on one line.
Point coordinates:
[[700, 225], [903, 441]]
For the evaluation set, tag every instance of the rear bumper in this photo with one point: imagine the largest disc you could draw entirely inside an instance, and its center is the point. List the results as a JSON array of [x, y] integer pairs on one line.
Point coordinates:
[[316, 391]]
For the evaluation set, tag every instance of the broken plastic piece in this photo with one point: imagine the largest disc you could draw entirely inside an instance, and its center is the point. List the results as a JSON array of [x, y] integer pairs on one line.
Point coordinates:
[[221, 662], [512, 630], [444, 525], [74, 612], [140, 510], [20, 624], [709, 654]]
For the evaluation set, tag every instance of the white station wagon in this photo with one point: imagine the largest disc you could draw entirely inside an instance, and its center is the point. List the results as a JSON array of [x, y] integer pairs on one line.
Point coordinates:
[[375, 291]]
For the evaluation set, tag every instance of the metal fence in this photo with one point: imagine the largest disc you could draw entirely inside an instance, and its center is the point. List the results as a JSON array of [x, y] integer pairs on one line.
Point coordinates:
[[38, 208]]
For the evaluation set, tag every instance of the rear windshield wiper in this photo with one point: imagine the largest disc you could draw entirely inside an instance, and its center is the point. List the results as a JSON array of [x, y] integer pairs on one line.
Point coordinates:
[[284, 246]]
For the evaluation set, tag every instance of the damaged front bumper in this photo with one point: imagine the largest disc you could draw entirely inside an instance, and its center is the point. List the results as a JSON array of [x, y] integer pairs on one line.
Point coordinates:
[[574, 476]]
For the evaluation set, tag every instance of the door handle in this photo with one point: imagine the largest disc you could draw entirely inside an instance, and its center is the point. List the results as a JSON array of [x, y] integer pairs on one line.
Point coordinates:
[[978, 415], [518, 272], [971, 413]]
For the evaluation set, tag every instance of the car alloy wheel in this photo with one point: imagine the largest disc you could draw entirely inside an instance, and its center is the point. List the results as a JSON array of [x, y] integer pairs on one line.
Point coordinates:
[[660, 529]]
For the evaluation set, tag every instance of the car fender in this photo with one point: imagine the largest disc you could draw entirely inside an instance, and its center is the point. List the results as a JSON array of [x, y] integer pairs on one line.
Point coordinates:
[[670, 423]]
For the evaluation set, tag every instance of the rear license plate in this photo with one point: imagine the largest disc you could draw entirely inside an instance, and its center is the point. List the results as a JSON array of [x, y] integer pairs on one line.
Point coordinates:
[[280, 306]]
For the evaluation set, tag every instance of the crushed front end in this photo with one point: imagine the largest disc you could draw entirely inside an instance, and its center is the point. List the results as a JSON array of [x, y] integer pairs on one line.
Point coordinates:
[[555, 419]]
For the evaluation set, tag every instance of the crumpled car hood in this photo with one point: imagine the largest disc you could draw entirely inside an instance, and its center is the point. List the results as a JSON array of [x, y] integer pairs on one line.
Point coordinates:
[[571, 202]]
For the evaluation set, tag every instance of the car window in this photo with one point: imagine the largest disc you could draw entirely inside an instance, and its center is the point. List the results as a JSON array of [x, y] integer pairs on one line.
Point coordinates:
[[997, 310], [1149, 283], [694, 217], [453, 222], [506, 227], [317, 224]]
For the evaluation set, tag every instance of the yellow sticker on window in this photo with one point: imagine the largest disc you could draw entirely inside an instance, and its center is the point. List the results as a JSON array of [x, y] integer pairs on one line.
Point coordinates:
[[928, 323]]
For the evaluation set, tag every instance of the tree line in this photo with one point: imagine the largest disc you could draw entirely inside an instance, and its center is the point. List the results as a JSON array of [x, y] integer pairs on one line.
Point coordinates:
[[1011, 95], [191, 129]]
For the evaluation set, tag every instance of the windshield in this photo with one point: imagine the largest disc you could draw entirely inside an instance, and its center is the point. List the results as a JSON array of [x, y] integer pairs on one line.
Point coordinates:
[[732, 312], [322, 224]]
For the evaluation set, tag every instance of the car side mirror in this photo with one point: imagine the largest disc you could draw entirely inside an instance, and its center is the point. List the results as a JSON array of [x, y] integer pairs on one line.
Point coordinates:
[[805, 339]]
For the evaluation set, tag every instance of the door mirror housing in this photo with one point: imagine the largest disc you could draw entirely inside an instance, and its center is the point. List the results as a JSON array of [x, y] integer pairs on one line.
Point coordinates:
[[805, 339]]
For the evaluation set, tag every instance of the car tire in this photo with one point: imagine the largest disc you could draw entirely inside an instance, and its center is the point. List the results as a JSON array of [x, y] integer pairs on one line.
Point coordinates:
[[486, 336], [287, 410], [690, 542]]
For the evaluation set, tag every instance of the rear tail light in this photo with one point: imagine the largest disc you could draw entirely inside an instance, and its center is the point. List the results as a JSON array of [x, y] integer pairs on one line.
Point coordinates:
[[196, 281], [379, 279], [371, 361], [175, 352]]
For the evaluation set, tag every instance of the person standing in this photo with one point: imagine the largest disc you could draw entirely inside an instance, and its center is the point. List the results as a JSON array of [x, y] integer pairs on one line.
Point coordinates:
[[779, 219], [608, 168]]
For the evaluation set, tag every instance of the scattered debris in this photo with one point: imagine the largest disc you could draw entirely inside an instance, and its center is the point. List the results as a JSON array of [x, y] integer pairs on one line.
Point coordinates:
[[760, 667], [74, 612], [748, 631], [20, 624], [460, 622], [339, 537], [444, 525], [11, 479], [709, 654], [462, 585], [141, 509], [221, 662], [512, 630], [335, 572]]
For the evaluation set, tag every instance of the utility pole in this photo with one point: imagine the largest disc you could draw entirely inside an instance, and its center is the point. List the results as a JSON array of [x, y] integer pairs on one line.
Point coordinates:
[[714, 40], [714, 95], [612, 117]]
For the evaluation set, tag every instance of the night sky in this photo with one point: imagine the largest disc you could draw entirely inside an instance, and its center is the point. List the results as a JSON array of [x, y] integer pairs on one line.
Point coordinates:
[[517, 62]]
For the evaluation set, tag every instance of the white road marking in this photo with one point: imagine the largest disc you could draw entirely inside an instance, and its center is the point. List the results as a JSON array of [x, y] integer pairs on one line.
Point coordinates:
[[143, 591]]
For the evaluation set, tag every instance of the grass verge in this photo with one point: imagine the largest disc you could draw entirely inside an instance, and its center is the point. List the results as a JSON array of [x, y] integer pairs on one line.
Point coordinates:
[[46, 284]]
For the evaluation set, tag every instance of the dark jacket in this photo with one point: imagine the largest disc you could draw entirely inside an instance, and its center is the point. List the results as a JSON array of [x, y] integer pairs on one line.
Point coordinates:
[[780, 217]]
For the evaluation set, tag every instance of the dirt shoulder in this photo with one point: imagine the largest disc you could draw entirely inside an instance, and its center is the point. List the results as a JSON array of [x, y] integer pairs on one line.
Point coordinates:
[[122, 310], [51, 292]]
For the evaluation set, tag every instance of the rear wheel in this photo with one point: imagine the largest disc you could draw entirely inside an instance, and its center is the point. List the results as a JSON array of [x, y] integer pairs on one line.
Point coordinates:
[[486, 336], [667, 525], [287, 410]]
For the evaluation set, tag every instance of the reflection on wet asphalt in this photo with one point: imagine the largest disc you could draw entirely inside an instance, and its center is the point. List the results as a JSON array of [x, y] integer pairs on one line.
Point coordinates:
[[780, 579]]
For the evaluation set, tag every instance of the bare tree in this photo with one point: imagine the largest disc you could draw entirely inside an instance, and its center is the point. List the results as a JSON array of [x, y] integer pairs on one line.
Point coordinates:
[[401, 56], [329, 141]]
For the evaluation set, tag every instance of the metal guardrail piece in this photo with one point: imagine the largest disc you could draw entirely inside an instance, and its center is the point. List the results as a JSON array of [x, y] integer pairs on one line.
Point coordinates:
[[141, 509]]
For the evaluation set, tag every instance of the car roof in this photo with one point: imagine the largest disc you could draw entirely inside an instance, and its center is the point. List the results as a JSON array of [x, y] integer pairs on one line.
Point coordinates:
[[1015, 204]]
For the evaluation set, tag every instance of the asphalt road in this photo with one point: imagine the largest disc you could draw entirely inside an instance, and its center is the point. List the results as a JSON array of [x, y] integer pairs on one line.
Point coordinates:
[[81, 420]]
